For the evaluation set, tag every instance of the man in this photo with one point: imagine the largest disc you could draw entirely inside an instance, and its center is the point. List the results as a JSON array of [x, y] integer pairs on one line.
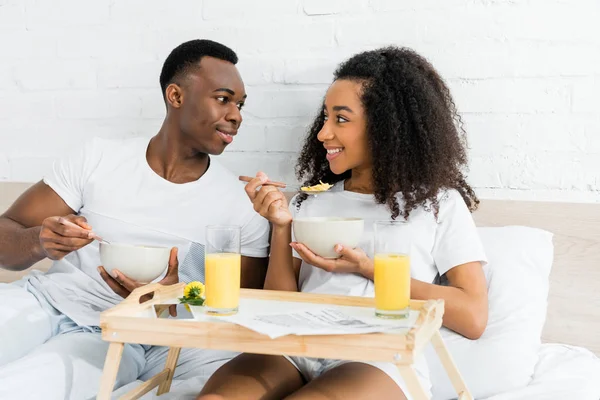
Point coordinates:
[[162, 192]]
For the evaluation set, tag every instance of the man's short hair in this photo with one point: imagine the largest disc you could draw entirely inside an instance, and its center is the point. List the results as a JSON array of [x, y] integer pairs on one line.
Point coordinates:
[[187, 56]]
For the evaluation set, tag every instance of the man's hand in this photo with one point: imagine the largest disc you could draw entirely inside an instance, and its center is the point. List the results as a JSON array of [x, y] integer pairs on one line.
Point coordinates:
[[60, 236], [353, 261], [123, 285]]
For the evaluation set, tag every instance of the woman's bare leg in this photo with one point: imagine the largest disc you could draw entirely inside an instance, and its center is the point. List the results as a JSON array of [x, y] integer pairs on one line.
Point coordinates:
[[352, 381], [253, 376]]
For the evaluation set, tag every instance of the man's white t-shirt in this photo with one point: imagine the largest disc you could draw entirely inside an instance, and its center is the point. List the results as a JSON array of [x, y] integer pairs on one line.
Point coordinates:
[[438, 243], [110, 183]]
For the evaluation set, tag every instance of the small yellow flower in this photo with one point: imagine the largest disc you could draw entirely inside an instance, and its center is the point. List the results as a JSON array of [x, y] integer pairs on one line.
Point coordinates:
[[194, 290]]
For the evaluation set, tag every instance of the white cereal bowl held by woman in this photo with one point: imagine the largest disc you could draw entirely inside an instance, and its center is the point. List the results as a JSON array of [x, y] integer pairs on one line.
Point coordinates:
[[321, 234], [140, 263]]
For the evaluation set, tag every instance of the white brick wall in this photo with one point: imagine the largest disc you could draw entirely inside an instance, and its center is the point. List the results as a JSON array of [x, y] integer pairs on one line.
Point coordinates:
[[525, 75]]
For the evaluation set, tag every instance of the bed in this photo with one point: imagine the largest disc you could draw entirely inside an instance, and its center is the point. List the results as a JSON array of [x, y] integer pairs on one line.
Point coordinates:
[[574, 302], [563, 373], [568, 366]]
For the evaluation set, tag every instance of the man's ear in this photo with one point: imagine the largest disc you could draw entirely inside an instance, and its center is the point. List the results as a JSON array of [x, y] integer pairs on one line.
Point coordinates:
[[174, 95]]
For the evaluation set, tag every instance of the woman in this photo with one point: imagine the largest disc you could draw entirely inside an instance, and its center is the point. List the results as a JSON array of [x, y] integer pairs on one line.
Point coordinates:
[[387, 137]]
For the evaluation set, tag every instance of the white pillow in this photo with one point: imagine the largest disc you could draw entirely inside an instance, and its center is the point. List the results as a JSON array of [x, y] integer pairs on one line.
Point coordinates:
[[503, 359]]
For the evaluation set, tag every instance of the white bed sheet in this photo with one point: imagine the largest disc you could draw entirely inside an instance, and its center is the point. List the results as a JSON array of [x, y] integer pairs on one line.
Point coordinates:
[[563, 372]]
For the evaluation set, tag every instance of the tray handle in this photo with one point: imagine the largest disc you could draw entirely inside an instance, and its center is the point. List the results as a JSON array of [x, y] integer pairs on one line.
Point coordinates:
[[431, 310], [144, 293]]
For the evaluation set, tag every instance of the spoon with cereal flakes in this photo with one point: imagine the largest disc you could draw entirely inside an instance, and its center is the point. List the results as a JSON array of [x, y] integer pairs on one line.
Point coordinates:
[[316, 189], [310, 190]]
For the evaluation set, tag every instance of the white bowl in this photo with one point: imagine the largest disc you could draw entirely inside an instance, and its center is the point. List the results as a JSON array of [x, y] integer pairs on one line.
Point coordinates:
[[140, 263], [321, 235]]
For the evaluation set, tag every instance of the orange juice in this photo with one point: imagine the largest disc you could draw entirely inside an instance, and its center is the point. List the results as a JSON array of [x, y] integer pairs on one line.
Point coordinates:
[[223, 271], [392, 285]]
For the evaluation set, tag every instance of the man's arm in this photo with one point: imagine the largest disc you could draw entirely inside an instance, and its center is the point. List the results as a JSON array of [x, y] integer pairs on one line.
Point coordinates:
[[19, 246], [254, 271], [21, 225]]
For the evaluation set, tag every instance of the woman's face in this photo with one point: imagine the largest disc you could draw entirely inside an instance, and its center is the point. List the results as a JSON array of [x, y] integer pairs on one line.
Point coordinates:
[[344, 133]]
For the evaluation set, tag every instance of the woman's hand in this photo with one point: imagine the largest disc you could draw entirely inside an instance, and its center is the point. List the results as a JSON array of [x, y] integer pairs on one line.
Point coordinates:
[[353, 261], [268, 201]]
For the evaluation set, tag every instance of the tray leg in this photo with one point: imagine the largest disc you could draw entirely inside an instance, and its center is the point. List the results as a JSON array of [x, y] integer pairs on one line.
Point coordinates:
[[453, 373], [111, 367], [170, 366], [415, 388], [145, 387]]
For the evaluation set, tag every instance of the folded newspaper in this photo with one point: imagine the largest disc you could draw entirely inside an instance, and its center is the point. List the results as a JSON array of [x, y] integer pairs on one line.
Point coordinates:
[[319, 320]]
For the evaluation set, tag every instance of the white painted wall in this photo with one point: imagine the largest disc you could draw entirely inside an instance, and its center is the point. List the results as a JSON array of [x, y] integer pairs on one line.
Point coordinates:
[[525, 75]]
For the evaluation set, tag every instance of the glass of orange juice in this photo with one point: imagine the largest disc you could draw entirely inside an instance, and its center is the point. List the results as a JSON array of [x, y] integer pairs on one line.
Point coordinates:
[[223, 269], [392, 269]]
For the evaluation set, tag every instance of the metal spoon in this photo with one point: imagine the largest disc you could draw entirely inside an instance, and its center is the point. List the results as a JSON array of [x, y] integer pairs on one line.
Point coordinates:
[[283, 185], [91, 235]]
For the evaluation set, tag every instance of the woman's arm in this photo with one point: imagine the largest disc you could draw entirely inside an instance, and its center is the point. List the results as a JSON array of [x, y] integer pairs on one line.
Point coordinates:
[[466, 304], [270, 203], [253, 272], [283, 270], [466, 300]]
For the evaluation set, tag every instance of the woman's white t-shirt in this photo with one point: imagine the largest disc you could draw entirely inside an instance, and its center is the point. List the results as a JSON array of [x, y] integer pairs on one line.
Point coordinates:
[[438, 243]]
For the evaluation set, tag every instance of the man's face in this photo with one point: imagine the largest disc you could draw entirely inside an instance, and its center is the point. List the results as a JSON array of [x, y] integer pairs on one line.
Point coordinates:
[[208, 104]]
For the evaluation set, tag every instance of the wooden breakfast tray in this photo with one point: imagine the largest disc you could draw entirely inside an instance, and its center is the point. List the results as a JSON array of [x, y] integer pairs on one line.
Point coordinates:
[[125, 323]]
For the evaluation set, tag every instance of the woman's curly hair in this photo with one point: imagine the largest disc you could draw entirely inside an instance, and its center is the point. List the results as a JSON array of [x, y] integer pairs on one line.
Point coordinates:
[[415, 134]]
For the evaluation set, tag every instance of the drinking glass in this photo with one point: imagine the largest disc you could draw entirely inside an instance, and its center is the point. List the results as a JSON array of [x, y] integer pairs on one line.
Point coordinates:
[[392, 269], [223, 269]]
